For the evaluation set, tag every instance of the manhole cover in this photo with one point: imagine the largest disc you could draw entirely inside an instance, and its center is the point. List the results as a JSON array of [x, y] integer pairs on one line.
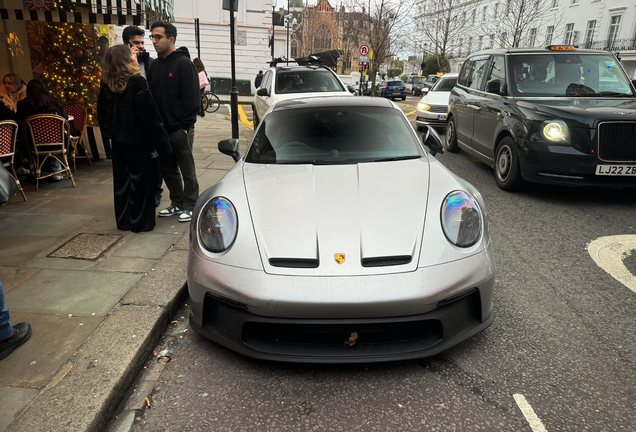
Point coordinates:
[[86, 246]]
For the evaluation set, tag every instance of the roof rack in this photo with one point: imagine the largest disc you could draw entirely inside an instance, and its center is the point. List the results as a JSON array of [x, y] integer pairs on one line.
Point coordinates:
[[280, 59]]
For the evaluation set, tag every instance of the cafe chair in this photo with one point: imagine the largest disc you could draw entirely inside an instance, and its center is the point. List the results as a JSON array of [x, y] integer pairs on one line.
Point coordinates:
[[79, 124], [50, 137], [8, 137]]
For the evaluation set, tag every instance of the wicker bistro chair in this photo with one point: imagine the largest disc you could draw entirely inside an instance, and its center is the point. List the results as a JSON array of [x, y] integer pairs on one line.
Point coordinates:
[[50, 137], [8, 137], [79, 124]]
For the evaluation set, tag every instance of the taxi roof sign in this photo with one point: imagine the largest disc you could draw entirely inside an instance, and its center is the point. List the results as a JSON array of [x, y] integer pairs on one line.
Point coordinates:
[[561, 48]]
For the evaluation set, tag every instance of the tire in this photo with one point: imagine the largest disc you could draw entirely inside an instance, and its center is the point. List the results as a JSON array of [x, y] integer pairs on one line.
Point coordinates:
[[204, 102], [403, 97], [450, 141], [255, 119], [419, 128], [507, 171], [213, 103]]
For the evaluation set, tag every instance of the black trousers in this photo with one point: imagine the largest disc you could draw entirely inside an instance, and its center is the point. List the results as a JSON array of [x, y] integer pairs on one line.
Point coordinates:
[[179, 172], [134, 183]]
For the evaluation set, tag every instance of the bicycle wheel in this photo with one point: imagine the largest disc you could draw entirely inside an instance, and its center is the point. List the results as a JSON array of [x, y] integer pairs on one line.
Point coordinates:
[[213, 103], [204, 102]]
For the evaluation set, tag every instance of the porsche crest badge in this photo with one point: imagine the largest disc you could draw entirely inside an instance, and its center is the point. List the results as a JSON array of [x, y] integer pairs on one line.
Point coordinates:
[[340, 258]]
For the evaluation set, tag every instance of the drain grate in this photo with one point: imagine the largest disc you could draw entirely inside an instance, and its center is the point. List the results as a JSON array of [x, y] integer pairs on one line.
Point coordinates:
[[86, 246]]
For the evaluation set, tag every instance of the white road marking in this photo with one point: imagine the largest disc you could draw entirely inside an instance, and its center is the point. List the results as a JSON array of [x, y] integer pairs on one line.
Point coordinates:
[[609, 252], [529, 414]]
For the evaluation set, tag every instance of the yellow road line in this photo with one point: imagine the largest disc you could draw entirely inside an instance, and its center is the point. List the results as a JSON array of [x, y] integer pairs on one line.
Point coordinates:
[[242, 119], [411, 113]]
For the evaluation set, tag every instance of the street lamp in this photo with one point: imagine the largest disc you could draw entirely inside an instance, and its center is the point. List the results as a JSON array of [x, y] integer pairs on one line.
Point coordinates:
[[273, 26]]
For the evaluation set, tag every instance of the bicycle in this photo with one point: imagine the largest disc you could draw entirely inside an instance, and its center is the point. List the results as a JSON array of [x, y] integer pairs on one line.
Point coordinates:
[[211, 102]]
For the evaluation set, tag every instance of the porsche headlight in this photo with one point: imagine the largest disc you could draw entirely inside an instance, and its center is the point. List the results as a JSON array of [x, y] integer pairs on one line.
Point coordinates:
[[461, 219], [218, 225], [423, 106], [555, 131]]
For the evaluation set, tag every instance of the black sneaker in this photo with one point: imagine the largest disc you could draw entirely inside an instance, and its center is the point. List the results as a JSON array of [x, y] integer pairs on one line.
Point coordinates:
[[21, 334]]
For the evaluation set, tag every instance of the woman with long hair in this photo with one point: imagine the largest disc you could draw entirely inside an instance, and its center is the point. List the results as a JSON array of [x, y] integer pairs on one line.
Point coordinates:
[[203, 81], [13, 90], [129, 117]]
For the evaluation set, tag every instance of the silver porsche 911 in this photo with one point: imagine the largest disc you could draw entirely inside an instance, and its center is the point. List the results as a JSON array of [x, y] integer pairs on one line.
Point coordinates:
[[338, 238]]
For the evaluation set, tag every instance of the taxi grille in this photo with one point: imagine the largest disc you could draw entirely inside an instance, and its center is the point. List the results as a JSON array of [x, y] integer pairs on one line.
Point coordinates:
[[617, 141], [438, 108]]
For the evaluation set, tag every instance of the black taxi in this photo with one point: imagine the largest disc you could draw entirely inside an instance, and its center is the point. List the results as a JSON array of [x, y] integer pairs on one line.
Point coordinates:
[[558, 115]]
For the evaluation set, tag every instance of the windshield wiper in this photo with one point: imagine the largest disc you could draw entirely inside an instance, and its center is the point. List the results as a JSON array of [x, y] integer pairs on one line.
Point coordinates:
[[303, 162], [611, 93], [395, 158]]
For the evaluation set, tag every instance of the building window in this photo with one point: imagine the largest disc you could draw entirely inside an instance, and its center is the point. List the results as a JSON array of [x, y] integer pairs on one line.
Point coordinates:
[[483, 14], [470, 45], [492, 41], [532, 37], [555, 3], [549, 34], [464, 17], [615, 23], [574, 2], [569, 32], [481, 43], [504, 40], [322, 38], [461, 45], [474, 17], [294, 49], [589, 34], [496, 10], [508, 6]]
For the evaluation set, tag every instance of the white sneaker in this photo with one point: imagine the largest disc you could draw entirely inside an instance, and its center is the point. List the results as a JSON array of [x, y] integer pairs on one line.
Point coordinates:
[[57, 177], [186, 216], [22, 170], [170, 211]]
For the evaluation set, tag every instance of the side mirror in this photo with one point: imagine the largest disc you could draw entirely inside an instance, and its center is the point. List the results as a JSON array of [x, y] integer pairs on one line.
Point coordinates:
[[425, 90], [262, 92], [493, 86], [230, 148], [634, 83], [432, 140]]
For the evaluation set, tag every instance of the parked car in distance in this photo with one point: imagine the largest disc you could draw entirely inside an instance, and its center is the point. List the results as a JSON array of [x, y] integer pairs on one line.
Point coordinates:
[[556, 115], [291, 260], [393, 89], [284, 82], [433, 107]]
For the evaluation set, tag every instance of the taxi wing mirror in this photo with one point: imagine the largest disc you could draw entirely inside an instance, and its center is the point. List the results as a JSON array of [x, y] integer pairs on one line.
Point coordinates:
[[262, 92], [230, 148], [432, 140], [493, 86]]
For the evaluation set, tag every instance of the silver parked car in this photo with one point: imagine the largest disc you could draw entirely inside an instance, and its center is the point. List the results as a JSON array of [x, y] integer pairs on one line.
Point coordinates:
[[433, 107], [338, 237]]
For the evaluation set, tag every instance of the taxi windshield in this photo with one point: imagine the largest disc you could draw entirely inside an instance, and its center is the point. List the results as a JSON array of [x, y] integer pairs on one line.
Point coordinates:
[[333, 136], [567, 75], [307, 81]]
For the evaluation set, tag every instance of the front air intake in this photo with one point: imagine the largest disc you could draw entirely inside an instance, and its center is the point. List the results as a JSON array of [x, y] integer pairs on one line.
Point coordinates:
[[386, 261], [293, 262]]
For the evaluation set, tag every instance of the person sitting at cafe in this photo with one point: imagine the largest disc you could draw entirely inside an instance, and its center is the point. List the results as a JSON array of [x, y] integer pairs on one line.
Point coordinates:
[[12, 91]]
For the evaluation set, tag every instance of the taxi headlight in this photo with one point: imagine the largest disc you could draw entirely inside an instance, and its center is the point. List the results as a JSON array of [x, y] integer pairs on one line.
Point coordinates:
[[461, 219], [423, 106], [218, 225], [555, 131]]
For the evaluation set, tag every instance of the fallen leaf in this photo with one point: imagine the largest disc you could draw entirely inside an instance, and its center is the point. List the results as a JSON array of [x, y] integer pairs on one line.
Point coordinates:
[[352, 339]]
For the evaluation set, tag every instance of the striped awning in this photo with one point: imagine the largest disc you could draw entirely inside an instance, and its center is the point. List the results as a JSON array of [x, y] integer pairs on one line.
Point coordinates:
[[71, 17], [161, 7]]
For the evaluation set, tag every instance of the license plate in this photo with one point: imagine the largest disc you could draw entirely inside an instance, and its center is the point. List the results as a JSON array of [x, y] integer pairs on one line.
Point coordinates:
[[441, 117], [616, 170]]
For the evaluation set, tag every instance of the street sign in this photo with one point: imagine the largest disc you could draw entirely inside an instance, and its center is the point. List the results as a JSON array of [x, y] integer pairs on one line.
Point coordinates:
[[226, 5], [364, 50]]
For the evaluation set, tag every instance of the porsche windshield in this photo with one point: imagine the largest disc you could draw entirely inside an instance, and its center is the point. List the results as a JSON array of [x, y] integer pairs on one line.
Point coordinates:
[[571, 75], [333, 135]]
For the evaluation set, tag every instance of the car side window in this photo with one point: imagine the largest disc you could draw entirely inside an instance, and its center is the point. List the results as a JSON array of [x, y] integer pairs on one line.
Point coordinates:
[[267, 79], [477, 73], [463, 76], [497, 71]]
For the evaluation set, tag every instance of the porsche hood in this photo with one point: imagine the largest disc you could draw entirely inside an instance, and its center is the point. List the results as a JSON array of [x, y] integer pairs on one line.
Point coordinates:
[[338, 220]]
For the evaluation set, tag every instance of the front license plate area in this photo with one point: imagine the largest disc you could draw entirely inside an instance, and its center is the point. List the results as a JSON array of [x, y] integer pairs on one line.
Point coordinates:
[[441, 117], [616, 170]]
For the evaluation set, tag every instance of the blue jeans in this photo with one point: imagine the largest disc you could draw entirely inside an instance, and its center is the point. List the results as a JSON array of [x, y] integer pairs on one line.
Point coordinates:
[[6, 329]]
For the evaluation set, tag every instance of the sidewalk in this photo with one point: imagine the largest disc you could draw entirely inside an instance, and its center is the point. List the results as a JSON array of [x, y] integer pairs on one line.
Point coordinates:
[[97, 298]]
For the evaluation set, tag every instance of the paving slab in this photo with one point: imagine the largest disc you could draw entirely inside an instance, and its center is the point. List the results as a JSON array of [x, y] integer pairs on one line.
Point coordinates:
[[54, 338], [83, 401], [169, 225], [75, 205], [18, 249], [210, 178], [146, 245], [127, 265], [225, 165], [39, 224], [163, 286], [11, 277], [13, 401], [42, 261], [88, 246], [70, 292]]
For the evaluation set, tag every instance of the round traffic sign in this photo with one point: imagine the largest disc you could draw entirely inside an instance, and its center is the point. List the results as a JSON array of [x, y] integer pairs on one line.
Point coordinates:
[[364, 50]]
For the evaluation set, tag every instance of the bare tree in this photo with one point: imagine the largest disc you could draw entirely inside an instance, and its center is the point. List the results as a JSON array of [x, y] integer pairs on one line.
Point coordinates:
[[388, 29], [512, 20], [443, 24]]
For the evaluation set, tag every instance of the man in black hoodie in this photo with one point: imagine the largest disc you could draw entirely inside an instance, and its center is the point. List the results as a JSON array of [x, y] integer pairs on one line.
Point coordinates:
[[174, 83]]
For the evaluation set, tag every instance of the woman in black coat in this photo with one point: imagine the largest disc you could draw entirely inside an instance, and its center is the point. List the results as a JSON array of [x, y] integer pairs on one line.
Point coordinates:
[[129, 117]]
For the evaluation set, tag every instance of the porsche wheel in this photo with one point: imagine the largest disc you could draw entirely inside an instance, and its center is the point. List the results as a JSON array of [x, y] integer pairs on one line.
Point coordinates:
[[450, 143], [507, 172]]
